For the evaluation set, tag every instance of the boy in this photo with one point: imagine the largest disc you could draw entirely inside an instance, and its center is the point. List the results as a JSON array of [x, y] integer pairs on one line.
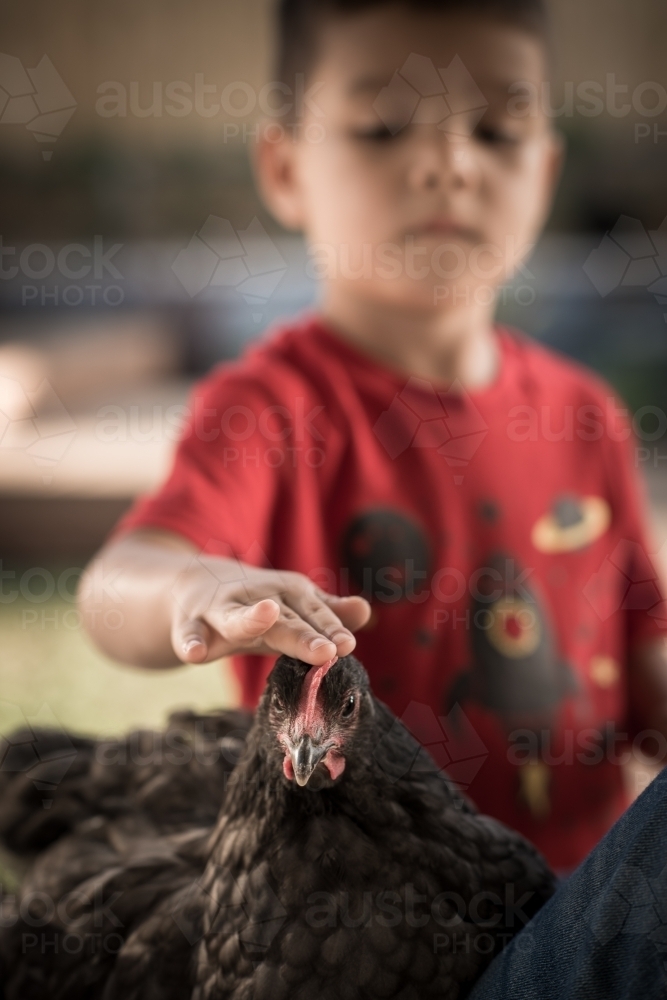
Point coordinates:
[[395, 465]]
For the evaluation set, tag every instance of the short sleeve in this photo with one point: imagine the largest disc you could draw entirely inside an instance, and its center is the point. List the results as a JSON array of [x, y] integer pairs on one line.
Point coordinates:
[[634, 554], [224, 479]]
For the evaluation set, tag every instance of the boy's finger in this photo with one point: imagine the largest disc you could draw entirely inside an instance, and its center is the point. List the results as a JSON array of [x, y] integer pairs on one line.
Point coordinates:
[[353, 611], [241, 623], [295, 637], [315, 612], [190, 638]]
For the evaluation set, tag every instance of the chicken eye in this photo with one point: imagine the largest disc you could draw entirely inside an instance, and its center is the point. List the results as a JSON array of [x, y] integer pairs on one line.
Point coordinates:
[[348, 707]]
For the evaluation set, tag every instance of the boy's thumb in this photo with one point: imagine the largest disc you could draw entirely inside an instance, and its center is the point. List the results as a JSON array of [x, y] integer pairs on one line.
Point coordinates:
[[190, 638]]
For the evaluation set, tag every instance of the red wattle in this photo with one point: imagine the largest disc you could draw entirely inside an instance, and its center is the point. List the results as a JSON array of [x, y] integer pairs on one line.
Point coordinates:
[[335, 764]]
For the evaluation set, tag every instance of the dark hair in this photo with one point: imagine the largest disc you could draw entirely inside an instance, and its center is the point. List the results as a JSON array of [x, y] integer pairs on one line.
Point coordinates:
[[299, 23]]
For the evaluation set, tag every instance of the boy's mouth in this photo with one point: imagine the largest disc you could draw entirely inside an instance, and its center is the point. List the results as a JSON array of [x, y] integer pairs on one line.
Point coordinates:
[[441, 225]]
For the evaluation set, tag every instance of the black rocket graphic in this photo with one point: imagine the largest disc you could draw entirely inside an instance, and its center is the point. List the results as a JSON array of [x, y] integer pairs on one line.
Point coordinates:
[[516, 672]]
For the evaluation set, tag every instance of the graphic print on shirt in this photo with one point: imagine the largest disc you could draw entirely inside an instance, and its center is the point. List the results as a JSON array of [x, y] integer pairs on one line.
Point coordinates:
[[386, 553], [516, 673], [572, 523], [510, 483]]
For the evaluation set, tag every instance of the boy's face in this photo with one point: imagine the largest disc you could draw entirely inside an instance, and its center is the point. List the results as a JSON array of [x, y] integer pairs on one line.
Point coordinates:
[[396, 207]]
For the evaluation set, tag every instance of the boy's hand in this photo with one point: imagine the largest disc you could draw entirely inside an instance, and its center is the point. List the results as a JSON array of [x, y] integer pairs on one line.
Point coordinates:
[[647, 685], [149, 595], [221, 607]]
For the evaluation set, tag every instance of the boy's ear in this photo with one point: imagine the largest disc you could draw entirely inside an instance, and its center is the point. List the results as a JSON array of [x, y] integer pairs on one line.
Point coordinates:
[[558, 156], [552, 169], [556, 162], [275, 168]]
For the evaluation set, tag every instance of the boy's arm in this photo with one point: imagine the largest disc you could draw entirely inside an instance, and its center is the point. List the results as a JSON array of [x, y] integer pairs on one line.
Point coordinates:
[[642, 589], [647, 678], [150, 599]]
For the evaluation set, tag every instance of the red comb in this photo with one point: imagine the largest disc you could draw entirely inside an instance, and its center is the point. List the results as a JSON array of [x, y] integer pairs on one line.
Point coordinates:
[[307, 710]]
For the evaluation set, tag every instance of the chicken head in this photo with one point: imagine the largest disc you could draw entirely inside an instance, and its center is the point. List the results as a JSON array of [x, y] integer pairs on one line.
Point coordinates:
[[314, 716]]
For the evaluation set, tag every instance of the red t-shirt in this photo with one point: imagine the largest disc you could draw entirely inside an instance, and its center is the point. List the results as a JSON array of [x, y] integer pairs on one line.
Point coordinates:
[[499, 535]]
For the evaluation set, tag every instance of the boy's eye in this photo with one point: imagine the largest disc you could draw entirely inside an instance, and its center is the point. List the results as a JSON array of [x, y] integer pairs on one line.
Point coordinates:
[[378, 133], [494, 136]]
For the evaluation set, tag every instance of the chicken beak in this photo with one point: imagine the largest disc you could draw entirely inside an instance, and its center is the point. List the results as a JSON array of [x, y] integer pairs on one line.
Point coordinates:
[[306, 755]]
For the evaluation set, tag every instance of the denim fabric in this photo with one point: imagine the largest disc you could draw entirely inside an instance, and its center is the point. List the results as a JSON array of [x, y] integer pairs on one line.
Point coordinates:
[[603, 935]]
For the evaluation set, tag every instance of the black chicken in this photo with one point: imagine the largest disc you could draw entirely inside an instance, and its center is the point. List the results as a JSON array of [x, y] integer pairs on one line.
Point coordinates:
[[343, 865], [50, 781]]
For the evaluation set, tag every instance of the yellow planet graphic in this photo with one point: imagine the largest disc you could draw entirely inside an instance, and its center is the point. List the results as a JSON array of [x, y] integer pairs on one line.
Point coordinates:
[[534, 781], [572, 523], [605, 671]]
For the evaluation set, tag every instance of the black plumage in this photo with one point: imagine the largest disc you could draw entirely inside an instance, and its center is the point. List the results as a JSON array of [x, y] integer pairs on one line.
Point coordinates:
[[50, 781], [342, 864]]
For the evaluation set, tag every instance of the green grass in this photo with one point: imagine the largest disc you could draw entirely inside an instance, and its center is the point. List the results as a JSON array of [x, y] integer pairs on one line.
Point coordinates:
[[50, 674]]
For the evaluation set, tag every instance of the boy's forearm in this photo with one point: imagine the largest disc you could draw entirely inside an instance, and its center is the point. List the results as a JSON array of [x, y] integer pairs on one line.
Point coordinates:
[[648, 685], [126, 598], [152, 600]]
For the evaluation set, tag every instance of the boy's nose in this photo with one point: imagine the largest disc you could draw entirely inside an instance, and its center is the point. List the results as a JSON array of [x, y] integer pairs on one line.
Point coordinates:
[[439, 161]]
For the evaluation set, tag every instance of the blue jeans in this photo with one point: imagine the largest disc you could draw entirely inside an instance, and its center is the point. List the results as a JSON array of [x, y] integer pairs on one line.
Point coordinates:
[[603, 935]]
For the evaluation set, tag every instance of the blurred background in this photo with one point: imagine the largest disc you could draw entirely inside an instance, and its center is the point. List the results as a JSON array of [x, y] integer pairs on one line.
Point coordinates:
[[124, 128]]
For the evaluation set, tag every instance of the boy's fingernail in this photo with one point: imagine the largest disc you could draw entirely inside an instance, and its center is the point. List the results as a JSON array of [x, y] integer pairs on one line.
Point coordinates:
[[340, 637], [191, 643], [318, 642]]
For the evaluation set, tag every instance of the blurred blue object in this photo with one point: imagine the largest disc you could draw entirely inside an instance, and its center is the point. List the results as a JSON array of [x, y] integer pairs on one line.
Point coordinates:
[[597, 297]]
